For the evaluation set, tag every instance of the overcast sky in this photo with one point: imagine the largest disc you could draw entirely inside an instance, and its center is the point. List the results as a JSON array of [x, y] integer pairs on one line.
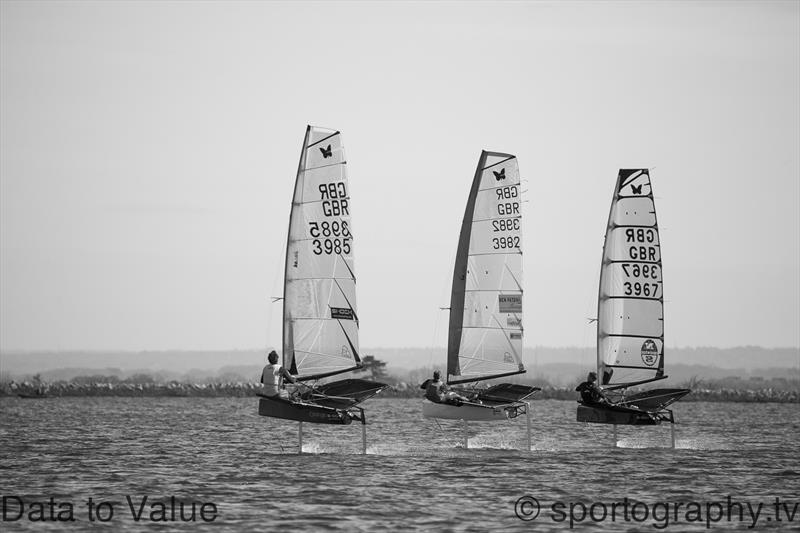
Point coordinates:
[[149, 152]]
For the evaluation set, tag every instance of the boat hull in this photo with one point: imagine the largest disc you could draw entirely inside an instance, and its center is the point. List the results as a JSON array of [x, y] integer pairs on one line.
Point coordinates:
[[648, 408], [618, 416], [471, 411], [303, 412]]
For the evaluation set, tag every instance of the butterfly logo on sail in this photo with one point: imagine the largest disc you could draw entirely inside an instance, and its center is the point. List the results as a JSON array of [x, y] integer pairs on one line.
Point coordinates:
[[499, 175], [326, 152], [635, 189], [649, 352]]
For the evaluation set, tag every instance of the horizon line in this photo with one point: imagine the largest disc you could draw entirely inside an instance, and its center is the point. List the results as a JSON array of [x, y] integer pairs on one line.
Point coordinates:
[[262, 349]]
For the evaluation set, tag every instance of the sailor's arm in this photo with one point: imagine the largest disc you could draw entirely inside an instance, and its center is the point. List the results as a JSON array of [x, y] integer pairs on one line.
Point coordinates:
[[287, 376]]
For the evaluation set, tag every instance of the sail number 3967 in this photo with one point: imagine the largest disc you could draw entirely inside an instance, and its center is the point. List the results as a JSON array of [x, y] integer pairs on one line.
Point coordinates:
[[636, 270], [648, 290]]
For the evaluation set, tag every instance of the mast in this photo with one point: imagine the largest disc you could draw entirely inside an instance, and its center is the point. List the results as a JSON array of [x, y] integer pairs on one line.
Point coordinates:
[[485, 327], [630, 330], [460, 275], [287, 341]]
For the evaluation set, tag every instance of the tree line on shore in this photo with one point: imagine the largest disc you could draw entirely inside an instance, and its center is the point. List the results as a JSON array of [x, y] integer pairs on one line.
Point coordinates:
[[143, 385]]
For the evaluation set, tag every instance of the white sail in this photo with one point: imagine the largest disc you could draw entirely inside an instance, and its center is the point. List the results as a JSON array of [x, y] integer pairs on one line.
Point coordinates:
[[630, 325], [320, 319], [485, 338]]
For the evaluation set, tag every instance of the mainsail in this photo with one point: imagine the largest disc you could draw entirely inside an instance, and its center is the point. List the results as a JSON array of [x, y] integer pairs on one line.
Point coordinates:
[[320, 321], [485, 334], [630, 325]]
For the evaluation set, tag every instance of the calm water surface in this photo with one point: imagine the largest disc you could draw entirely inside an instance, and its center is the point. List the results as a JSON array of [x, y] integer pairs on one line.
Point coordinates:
[[416, 476]]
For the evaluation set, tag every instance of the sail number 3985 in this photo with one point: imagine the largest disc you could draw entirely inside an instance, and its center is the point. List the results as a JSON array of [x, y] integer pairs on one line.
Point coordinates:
[[330, 237], [330, 246], [329, 229]]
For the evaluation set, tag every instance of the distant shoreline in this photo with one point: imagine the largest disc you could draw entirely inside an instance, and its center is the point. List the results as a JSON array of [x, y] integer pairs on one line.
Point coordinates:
[[239, 390]]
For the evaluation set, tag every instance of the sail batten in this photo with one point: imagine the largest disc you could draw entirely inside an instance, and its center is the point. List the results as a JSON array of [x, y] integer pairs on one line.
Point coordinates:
[[485, 339], [320, 322], [630, 325]]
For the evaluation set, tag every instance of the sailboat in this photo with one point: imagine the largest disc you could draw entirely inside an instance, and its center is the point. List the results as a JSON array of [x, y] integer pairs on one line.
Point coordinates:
[[630, 311], [320, 318], [485, 329]]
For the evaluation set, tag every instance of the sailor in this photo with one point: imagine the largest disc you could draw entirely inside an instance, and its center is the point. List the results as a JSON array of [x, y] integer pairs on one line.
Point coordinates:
[[273, 375], [437, 392], [590, 392]]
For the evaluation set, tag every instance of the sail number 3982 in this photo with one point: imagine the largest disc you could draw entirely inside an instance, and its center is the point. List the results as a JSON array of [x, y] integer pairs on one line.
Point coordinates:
[[505, 224], [511, 241]]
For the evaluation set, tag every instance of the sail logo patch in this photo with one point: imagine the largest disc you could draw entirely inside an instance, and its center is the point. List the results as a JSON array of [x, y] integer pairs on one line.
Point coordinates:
[[513, 322], [342, 313], [345, 352], [649, 352], [326, 152], [510, 303], [499, 175], [632, 177], [507, 358], [516, 336]]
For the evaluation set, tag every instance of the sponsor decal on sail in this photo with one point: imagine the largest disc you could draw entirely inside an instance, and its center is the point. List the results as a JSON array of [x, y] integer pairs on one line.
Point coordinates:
[[510, 303], [507, 358], [345, 352], [342, 313], [516, 335], [513, 321], [649, 352]]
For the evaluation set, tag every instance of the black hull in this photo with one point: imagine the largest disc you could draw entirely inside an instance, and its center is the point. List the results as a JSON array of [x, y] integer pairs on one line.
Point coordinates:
[[617, 415], [329, 403], [647, 408], [303, 412]]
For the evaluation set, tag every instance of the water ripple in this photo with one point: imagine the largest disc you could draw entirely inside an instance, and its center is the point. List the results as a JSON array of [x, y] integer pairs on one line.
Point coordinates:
[[416, 475]]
